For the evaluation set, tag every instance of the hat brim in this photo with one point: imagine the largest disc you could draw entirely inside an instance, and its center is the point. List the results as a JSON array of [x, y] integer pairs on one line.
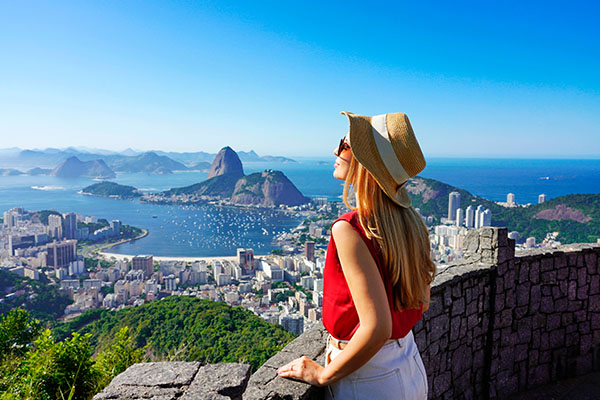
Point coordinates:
[[361, 141]]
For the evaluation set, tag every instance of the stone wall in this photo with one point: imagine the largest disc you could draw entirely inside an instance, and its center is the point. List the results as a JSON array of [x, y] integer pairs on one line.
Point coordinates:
[[498, 324]]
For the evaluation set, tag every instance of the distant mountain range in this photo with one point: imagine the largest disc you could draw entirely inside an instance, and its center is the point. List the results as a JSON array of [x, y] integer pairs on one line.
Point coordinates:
[[226, 181], [154, 162]]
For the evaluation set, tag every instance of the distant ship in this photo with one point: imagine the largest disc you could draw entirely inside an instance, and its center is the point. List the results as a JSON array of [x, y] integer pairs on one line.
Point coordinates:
[[154, 216]]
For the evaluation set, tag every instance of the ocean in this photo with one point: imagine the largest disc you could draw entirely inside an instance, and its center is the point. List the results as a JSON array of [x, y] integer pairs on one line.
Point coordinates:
[[190, 231]]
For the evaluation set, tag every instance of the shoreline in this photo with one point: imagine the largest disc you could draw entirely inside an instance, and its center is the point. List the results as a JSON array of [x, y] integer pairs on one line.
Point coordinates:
[[128, 257]]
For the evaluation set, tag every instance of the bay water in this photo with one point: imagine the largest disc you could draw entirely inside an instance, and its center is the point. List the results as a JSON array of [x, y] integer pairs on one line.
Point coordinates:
[[200, 231]]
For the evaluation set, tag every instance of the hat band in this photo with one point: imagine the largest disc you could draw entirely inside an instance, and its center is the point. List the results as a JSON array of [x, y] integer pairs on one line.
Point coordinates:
[[386, 151]]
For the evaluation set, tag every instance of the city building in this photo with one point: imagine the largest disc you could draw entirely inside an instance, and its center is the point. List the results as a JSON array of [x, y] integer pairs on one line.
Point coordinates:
[[144, 263], [309, 250], [479, 216], [19, 242], [530, 242], [246, 259], [510, 199], [459, 216], [486, 218], [292, 323], [170, 283], [55, 226], [453, 205], [470, 217], [61, 254], [115, 226], [70, 231], [541, 198]]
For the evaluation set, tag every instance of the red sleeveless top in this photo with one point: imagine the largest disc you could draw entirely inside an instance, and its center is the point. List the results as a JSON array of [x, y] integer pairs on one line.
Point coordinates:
[[339, 313]]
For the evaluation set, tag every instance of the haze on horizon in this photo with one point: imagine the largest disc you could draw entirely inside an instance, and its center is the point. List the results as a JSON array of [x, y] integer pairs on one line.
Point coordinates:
[[477, 80]]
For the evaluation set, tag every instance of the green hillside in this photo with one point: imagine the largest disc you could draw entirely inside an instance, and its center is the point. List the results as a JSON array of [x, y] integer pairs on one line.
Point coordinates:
[[112, 189], [576, 216], [186, 329], [41, 300]]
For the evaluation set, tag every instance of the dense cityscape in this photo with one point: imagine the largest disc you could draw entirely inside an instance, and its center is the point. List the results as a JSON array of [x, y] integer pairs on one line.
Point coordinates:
[[285, 287]]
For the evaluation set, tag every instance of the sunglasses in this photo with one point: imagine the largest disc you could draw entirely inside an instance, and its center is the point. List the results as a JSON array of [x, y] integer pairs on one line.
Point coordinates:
[[343, 146]]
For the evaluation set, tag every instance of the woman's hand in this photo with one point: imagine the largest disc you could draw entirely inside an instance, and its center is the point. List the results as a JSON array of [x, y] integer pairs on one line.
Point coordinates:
[[303, 368]]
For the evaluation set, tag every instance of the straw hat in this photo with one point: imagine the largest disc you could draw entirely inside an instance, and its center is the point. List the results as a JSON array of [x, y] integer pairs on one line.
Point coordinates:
[[387, 147]]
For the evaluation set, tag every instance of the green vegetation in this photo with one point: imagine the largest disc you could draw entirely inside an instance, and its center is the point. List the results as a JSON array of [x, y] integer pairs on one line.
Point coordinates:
[[431, 197], [186, 329], [40, 299], [35, 366], [221, 185], [43, 215], [112, 189]]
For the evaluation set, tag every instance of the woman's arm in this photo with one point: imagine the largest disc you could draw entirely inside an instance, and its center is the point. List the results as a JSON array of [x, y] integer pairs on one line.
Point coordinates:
[[370, 299]]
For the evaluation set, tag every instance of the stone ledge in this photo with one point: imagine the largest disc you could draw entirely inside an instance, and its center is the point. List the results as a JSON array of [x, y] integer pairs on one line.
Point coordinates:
[[178, 380]]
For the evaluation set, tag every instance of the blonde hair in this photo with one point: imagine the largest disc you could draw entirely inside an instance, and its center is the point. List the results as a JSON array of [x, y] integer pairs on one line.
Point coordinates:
[[400, 233]]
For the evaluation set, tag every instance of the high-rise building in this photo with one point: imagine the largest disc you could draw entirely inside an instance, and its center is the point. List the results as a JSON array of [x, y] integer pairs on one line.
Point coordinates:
[[70, 225], [55, 226], [541, 198], [453, 205], [530, 242], [292, 323], [479, 216], [309, 250], [486, 218], [510, 199], [115, 226], [144, 263], [20, 242], [10, 219], [246, 259], [459, 216], [470, 217], [60, 254], [170, 283]]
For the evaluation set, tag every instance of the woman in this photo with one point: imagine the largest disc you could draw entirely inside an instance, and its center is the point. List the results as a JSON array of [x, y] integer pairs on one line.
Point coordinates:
[[378, 269]]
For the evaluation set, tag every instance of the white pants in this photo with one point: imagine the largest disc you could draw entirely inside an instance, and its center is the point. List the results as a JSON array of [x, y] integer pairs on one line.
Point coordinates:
[[396, 371]]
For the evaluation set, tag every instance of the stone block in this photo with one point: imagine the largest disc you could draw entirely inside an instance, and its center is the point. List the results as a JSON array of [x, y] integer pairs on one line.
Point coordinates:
[[549, 277], [572, 259], [536, 297], [163, 373], [553, 322], [594, 303], [534, 272], [594, 284], [506, 254], [582, 292], [582, 277], [227, 380], [471, 244], [572, 294], [547, 305], [561, 305], [591, 262], [501, 236], [458, 307], [439, 327], [487, 256], [441, 383], [557, 338], [547, 264], [523, 268], [562, 273]]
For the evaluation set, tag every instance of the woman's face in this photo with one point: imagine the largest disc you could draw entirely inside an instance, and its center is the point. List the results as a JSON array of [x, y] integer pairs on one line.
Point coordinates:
[[342, 162]]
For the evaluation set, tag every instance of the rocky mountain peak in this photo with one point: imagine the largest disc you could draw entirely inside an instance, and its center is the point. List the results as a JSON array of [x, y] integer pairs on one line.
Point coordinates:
[[226, 162]]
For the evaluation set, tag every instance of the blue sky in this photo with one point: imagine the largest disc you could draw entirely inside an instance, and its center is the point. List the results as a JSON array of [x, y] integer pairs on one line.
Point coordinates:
[[477, 79]]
